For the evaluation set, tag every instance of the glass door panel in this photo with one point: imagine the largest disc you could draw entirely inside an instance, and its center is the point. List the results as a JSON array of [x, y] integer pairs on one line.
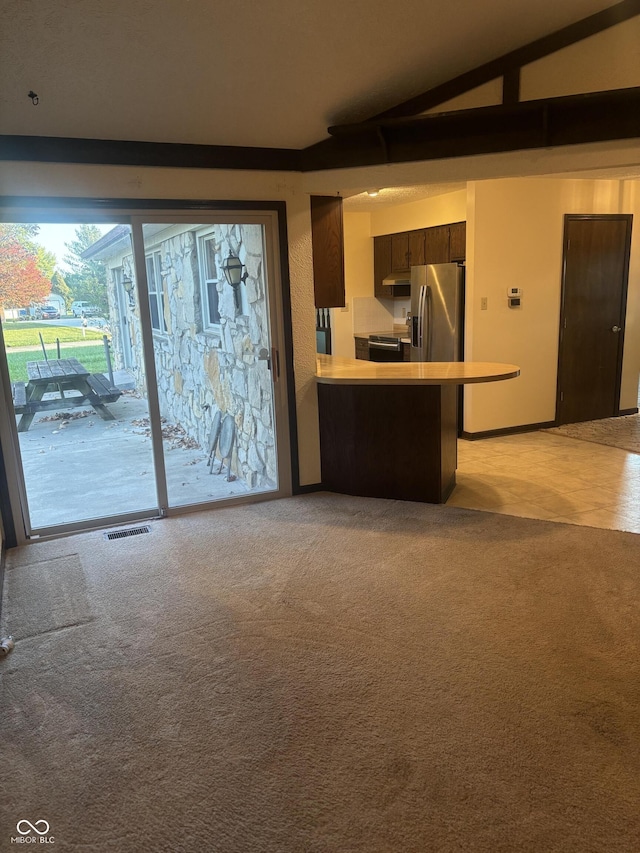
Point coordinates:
[[78, 387], [212, 351]]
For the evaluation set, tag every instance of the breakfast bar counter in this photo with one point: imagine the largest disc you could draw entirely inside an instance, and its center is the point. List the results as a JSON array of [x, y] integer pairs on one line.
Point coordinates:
[[389, 430]]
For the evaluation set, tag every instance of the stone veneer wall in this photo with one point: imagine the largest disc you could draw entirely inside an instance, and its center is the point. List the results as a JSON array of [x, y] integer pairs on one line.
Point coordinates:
[[201, 372]]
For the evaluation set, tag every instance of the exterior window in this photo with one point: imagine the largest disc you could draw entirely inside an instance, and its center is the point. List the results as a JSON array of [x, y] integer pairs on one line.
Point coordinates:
[[209, 273], [157, 298]]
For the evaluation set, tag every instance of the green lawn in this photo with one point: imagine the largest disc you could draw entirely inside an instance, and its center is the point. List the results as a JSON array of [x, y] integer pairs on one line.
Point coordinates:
[[25, 334], [92, 357]]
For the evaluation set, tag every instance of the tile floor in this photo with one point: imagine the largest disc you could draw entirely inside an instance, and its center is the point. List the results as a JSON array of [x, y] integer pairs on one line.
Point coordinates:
[[540, 475]]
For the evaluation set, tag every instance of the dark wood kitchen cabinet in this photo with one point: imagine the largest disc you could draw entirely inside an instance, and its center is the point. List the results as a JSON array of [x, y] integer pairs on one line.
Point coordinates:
[[383, 265], [458, 241], [441, 244], [327, 240], [446, 243], [393, 252], [417, 242], [437, 244], [400, 251], [407, 249], [362, 348]]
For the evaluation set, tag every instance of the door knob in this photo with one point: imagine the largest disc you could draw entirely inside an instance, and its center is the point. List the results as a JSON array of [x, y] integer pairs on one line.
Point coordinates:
[[264, 355], [616, 329]]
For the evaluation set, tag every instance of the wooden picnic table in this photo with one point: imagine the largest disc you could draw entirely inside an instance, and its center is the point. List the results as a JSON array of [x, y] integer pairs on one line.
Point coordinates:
[[61, 375]]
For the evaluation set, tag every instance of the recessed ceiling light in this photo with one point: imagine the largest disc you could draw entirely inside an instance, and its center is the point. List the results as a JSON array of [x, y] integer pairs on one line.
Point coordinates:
[[373, 193]]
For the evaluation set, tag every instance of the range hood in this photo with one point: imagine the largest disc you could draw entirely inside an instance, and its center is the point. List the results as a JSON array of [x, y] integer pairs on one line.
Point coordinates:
[[398, 277]]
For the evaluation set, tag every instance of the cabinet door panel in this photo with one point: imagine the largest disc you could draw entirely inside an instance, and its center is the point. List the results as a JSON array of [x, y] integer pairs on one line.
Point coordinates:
[[417, 248], [437, 245], [400, 251], [362, 348], [458, 241], [381, 264], [328, 251]]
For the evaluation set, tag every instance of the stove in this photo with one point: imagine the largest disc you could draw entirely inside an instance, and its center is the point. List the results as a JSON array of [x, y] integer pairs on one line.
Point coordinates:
[[385, 348]]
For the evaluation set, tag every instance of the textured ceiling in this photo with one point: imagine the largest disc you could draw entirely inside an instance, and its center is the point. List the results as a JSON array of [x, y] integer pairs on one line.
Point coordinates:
[[274, 73], [391, 196]]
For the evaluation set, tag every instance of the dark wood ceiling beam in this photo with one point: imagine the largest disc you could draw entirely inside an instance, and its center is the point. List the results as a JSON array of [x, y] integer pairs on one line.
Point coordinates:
[[511, 86], [48, 149], [514, 59], [570, 120]]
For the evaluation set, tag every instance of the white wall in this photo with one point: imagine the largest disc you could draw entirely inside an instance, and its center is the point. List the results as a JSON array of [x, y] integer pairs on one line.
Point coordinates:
[[437, 210], [41, 179], [358, 274], [515, 238], [607, 60]]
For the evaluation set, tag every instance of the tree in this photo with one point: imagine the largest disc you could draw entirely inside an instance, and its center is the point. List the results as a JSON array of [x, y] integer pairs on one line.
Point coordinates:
[[21, 277], [60, 286], [87, 279], [46, 261]]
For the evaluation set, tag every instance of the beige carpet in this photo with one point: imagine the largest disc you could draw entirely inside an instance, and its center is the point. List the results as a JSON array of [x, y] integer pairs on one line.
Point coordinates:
[[621, 432], [60, 583], [332, 675]]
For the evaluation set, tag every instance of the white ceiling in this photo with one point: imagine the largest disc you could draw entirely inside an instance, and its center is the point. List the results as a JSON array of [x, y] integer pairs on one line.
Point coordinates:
[[358, 202], [270, 73]]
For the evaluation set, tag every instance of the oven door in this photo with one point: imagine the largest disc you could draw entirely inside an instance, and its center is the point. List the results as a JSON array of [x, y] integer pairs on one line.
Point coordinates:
[[389, 349]]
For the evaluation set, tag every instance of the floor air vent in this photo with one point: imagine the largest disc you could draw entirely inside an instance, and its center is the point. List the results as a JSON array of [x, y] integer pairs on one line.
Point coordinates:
[[131, 531]]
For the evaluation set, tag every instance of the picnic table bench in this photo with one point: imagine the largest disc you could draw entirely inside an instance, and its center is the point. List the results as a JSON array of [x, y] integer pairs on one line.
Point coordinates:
[[61, 375]]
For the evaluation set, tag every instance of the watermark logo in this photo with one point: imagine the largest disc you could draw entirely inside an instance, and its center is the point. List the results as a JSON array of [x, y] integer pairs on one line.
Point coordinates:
[[33, 833], [30, 827]]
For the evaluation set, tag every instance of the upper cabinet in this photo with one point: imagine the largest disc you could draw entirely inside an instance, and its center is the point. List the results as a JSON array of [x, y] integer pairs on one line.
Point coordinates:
[[437, 244], [417, 255], [400, 251], [384, 262], [327, 241], [458, 241], [441, 244]]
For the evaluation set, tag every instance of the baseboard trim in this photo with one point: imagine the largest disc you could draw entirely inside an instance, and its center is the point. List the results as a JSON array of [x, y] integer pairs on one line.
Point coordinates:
[[306, 490], [623, 412], [495, 433]]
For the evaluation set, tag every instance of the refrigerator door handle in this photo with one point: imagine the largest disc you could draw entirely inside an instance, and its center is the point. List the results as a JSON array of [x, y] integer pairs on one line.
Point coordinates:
[[421, 300], [426, 311], [414, 330]]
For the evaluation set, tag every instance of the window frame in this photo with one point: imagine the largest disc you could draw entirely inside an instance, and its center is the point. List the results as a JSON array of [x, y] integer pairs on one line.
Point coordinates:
[[209, 326], [155, 288]]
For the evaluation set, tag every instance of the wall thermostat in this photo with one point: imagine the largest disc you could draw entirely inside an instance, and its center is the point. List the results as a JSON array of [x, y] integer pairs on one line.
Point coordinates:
[[514, 296]]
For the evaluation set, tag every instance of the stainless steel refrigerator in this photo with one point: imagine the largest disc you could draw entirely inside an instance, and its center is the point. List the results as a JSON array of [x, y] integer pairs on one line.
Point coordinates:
[[437, 311]]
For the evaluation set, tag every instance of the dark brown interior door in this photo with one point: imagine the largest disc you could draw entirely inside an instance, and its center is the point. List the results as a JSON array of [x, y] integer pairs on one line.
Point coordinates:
[[594, 295]]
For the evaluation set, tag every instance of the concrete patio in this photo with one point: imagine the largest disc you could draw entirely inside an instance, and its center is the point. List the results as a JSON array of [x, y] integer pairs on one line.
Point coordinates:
[[82, 467]]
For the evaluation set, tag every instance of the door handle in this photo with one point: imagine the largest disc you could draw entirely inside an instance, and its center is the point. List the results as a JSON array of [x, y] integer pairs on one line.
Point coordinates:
[[616, 329], [273, 361]]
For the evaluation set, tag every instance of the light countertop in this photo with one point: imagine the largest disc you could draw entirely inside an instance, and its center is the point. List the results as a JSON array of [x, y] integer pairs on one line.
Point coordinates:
[[398, 332], [334, 370]]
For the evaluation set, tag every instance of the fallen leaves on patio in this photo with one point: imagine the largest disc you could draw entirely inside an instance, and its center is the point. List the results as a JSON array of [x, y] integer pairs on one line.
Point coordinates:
[[67, 416], [172, 433]]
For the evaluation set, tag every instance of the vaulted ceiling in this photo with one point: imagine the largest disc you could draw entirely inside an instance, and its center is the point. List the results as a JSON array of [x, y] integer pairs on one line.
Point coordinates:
[[274, 73]]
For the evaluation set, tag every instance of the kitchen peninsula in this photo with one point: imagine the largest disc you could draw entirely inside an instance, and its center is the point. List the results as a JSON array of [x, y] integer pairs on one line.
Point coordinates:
[[390, 430]]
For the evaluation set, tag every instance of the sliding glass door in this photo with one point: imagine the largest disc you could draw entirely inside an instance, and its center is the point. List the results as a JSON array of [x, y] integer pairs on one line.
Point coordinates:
[[209, 313], [76, 405], [154, 385]]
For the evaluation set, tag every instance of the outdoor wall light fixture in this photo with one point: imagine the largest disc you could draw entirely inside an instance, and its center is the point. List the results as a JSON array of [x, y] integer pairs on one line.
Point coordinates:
[[233, 271], [127, 283]]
